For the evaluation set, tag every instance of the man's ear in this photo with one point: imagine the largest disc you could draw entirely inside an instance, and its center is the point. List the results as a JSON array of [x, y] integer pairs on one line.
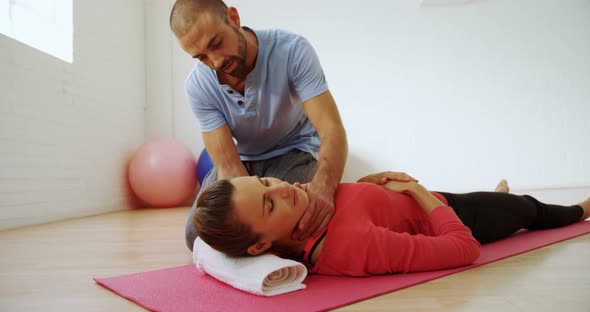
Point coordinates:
[[259, 248], [233, 16]]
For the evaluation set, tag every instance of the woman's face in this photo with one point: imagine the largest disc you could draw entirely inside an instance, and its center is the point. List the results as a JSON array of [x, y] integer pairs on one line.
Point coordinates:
[[270, 206]]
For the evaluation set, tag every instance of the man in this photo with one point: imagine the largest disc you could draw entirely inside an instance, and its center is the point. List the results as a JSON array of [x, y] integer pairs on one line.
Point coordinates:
[[267, 90]]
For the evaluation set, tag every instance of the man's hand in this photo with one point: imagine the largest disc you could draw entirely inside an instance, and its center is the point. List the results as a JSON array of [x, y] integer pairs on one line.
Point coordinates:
[[382, 177], [318, 214]]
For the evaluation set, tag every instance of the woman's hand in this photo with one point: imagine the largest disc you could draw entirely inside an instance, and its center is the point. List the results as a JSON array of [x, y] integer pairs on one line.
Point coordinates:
[[383, 177], [402, 187]]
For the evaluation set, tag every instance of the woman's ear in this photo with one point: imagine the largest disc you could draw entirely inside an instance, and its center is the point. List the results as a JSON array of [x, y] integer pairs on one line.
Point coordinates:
[[259, 248]]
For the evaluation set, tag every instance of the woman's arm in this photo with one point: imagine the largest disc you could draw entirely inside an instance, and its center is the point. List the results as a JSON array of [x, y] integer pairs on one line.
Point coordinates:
[[451, 245], [425, 199], [382, 177]]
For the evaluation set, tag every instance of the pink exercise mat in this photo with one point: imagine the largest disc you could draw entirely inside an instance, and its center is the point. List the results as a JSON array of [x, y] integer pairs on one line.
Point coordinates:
[[184, 288]]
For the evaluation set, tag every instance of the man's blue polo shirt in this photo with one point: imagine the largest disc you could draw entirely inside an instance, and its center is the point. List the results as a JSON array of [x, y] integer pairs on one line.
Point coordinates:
[[268, 120]]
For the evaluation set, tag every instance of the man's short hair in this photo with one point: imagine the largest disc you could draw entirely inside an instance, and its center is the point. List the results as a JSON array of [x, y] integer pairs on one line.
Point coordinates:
[[185, 12]]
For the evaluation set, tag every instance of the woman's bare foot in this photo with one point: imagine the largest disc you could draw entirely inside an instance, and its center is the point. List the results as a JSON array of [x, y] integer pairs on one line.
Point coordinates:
[[503, 187], [586, 206]]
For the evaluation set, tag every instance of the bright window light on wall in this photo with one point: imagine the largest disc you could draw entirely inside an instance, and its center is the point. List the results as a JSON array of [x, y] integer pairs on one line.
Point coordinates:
[[46, 25]]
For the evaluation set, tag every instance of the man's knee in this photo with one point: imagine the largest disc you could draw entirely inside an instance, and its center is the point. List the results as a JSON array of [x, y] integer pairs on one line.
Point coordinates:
[[295, 166]]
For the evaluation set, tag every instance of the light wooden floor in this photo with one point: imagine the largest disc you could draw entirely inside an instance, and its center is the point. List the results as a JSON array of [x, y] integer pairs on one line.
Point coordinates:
[[50, 268]]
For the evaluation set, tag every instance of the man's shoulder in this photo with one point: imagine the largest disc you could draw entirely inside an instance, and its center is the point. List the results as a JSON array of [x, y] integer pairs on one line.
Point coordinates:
[[201, 83], [201, 71], [278, 36], [277, 33], [281, 44], [200, 76]]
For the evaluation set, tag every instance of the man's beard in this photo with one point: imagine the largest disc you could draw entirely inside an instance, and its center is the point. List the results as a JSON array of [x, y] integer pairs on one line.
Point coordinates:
[[239, 70]]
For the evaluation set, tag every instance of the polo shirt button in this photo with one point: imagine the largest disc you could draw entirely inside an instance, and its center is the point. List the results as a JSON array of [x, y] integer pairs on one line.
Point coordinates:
[[240, 102], [230, 91]]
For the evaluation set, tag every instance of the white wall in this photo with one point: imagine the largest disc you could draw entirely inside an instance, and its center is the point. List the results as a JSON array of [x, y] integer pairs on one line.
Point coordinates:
[[458, 96], [167, 114], [67, 130]]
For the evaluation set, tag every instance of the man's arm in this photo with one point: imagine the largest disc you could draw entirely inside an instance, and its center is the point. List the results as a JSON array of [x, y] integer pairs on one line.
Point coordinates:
[[325, 118], [224, 154]]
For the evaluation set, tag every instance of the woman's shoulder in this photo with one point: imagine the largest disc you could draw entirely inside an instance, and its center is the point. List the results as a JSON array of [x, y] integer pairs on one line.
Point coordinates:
[[359, 191], [357, 202], [341, 239]]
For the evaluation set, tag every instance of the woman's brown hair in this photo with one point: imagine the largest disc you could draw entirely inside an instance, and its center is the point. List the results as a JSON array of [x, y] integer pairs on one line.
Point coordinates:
[[217, 226]]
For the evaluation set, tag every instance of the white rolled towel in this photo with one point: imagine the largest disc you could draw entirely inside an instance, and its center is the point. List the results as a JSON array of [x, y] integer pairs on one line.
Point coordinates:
[[265, 275]]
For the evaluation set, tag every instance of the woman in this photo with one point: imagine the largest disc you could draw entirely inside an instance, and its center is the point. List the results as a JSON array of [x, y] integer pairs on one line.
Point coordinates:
[[377, 228]]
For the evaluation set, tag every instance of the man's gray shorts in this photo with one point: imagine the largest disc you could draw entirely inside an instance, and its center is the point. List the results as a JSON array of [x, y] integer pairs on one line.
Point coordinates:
[[294, 166]]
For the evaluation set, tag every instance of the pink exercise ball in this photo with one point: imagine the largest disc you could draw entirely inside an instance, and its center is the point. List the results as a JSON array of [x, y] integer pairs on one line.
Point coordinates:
[[162, 173]]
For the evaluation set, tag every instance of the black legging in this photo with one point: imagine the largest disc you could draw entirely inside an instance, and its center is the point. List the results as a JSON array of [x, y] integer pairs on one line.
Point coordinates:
[[493, 215]]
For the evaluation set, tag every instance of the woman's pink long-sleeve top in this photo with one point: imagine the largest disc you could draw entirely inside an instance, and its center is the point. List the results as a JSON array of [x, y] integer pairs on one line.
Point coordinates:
[[377, 231]]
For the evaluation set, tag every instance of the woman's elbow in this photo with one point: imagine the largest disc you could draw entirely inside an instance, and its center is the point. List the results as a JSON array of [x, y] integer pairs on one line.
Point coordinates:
[[473, 252]]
